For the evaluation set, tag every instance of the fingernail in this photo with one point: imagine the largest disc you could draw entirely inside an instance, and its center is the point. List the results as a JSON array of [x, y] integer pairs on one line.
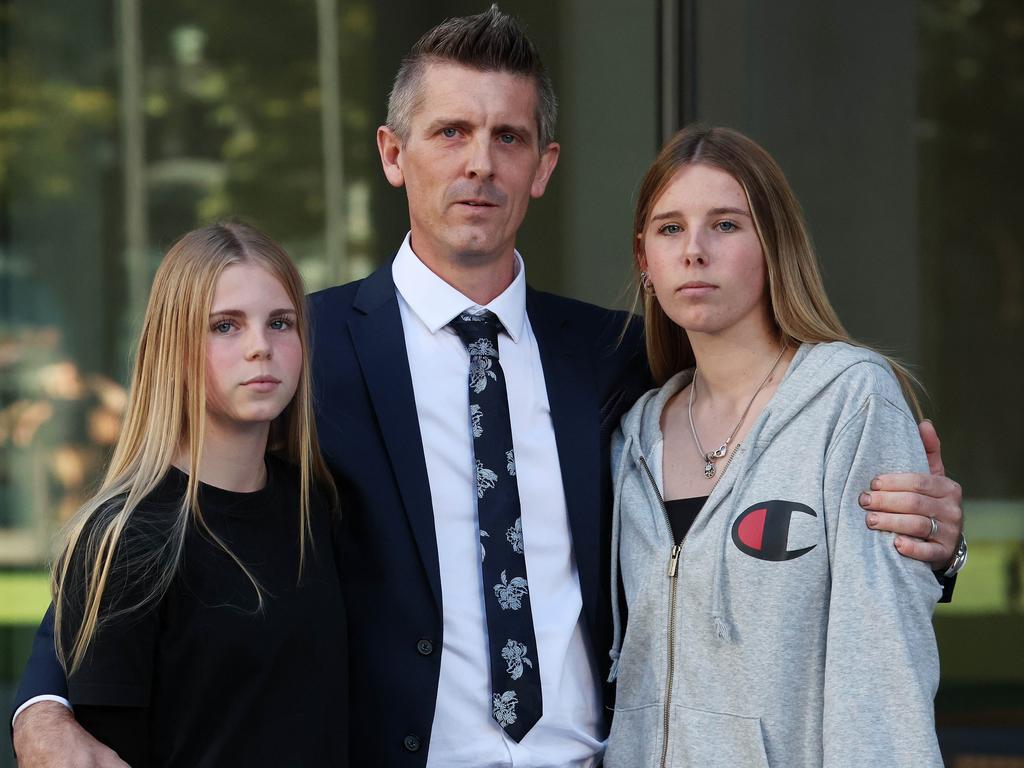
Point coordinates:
[[876, 484], [865, 499], [872, 521], [900, 541]]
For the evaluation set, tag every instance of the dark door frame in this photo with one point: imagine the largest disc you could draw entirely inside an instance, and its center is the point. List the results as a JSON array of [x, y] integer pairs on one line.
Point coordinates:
[[677, 66]]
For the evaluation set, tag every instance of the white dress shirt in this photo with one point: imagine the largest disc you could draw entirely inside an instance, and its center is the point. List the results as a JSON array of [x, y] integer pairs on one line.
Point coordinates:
[[464, 734]]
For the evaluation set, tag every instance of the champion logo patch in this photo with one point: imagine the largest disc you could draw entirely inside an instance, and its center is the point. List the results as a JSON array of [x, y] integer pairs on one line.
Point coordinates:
[[762, 530]]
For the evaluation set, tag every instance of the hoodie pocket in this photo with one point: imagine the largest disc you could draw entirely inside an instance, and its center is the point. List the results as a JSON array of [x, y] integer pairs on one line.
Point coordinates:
[[698, 738], [635, 739]]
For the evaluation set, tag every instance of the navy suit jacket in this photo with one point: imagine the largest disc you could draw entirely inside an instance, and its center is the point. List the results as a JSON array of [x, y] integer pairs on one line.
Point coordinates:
[[594, 368]]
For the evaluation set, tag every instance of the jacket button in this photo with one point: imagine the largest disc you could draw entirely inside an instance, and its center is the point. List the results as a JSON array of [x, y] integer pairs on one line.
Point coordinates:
[[411, 742], [425, 647]]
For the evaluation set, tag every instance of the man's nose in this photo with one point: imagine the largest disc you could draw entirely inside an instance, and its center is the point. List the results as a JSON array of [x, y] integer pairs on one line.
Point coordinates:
[[481, 161]]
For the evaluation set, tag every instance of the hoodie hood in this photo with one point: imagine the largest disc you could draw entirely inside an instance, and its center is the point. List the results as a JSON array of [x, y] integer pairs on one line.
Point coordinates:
[[813, 368]]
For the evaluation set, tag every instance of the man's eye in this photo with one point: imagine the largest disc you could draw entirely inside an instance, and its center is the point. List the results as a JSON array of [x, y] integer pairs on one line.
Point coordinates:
[[449, 133], [508, 138]]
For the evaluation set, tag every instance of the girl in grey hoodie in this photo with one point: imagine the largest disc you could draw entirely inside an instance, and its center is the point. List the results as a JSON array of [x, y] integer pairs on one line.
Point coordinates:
[[767, 626]]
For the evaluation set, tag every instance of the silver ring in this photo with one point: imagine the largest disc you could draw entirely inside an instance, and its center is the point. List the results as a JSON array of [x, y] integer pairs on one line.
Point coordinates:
[[935, 529]]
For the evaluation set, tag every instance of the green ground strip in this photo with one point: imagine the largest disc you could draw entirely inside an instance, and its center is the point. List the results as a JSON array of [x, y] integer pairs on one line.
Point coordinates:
[[24, 596]]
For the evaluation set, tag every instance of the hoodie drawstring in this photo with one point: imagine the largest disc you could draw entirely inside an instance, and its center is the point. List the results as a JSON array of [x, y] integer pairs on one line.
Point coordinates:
[[620, 474]]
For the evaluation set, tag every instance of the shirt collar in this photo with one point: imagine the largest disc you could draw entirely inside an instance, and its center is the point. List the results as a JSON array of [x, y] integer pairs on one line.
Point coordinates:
[[436, 302]]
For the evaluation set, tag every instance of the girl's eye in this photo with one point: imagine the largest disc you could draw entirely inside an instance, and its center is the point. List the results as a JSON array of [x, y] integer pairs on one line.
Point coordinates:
[[670, 229], [727, 226], [224, 326], [281, 324]]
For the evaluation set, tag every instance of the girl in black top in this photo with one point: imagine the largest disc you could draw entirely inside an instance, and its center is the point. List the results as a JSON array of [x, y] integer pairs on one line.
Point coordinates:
[[197, 607]]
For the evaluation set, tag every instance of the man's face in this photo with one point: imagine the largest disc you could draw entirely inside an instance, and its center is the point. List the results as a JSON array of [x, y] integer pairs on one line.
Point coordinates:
[[470, 163]]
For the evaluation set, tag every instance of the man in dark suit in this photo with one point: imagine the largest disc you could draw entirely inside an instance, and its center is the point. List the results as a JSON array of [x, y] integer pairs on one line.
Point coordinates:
[[399, 382]]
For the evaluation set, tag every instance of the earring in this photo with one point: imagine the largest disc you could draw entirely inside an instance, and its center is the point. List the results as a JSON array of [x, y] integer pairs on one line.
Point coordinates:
[[645, 283]]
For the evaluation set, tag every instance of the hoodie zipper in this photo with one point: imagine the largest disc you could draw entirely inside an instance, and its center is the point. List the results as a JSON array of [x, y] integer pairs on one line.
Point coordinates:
[[673, 570]]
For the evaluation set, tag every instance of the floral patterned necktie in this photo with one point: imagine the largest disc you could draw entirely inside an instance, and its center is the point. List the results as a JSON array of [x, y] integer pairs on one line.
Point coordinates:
[[516, 702]]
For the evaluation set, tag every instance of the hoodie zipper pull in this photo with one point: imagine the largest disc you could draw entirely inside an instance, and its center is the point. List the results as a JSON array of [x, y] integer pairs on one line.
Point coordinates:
[[673, 561]]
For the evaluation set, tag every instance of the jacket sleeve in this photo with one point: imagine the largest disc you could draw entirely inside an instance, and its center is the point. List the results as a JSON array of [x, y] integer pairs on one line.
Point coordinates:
[[43, 674], [882, 664]]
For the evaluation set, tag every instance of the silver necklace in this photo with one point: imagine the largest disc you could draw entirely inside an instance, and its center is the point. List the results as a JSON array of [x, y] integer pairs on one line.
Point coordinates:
[[710, 457]]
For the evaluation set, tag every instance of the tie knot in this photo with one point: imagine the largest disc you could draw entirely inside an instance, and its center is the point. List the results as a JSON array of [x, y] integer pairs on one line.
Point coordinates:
[[478, 332]]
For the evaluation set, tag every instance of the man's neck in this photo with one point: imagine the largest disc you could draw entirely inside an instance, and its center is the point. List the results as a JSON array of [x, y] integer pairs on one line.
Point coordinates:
[[477, 277]]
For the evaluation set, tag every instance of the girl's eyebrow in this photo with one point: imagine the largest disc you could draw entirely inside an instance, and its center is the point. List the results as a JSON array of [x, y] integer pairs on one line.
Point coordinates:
[[737, 211], [240, 313], [712, 212]]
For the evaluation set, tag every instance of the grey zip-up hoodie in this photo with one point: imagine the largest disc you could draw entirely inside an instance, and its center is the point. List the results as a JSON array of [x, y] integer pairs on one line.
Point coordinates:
[[785, 633]]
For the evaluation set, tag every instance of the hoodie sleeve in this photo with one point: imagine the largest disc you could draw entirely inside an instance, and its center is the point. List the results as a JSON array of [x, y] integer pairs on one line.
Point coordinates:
[[881, 665]]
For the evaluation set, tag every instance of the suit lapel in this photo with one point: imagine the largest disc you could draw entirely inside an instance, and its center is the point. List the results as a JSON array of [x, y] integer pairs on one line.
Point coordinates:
[[569, 378], [379, 342]]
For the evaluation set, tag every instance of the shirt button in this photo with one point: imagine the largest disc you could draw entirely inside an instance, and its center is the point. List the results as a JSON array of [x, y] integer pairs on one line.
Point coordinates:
[[411, 742], [425, 647]]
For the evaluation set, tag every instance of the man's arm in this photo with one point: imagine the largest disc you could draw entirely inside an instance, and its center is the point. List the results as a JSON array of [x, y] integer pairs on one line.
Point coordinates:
[[905, 503], [43, 673], [46, 735]]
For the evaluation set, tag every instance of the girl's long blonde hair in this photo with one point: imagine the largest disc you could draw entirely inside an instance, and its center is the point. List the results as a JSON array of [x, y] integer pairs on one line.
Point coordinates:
[[166, 412], [798, 305]]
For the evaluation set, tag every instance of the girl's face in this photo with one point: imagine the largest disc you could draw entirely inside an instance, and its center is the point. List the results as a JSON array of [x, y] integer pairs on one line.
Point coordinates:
[[703, 255], [253, 353]]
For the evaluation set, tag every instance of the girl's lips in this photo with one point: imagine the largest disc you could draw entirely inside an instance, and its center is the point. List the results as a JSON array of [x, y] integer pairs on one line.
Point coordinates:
[[696, 289], [261, 383]]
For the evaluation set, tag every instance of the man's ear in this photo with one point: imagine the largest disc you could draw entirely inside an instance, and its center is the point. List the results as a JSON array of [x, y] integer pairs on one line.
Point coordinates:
[[548, 161], [390, 148]]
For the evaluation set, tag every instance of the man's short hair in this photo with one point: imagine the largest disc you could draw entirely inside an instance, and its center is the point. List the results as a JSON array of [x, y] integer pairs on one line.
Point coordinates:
[[491, 41]]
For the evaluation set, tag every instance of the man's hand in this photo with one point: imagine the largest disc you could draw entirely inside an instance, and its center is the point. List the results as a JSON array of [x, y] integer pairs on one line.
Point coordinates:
[[46, 735], [905, 504]]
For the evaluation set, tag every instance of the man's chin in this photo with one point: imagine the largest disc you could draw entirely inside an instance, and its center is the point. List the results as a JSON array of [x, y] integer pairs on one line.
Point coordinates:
[[477, 250]]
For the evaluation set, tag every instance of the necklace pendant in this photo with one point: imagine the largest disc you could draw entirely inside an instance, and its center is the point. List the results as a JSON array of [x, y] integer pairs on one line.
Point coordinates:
[[709, 470], [722, 450]]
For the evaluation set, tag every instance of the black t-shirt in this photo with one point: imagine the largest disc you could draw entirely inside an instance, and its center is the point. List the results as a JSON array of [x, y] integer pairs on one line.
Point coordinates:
[[205, 677]]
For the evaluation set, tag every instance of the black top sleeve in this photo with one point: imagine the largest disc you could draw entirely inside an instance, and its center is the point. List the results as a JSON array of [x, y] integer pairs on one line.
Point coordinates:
[[947, 584], [110, 690], [118, 666]]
